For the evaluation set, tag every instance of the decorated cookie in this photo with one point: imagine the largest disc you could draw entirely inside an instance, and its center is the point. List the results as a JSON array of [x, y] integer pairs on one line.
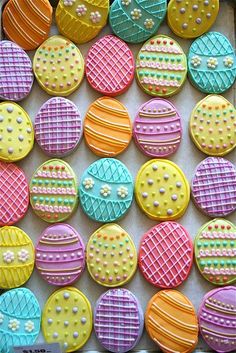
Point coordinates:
[[58, 66], [111, 256], [110, 66], [67, 319], [157, 128], [118, 320], [14, 196], [190, 19], [81, 20], [16, 257], [16, 132], [58, 127], [106, 190], [53, 191], [27, 22], [216, 317], [20, 317], [107, 127], [136, 21], [162, 190], [215, 251], [171, 322], [161, 67], [166, 254], [214, 187], [60, 255], [212, 63]]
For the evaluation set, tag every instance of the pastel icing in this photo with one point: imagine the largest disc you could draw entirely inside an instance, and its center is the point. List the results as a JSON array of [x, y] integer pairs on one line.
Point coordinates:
[[136, 21], [118, 320], [81, 20], [171, 322], [213, 125], [212, 63], [214, 187], [107, 127], [166, 254], [58, 66], [157, 128], [53, 191], [60, 255], [67, 319], [215, 251], [110, 74], [162, 190], [16, 132], [111, 256], [58, 127], [161, 67], [14, 196], [216, 317]]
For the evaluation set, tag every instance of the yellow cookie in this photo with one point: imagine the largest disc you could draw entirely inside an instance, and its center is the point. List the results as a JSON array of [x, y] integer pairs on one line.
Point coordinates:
[[190, 19], [16, 257], [67, 319], [58, 66], [16, 132], [162, 190], [111, 256]]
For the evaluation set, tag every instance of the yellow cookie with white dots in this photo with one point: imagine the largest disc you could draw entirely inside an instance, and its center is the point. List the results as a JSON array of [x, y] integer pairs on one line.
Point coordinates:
[[162, 190]]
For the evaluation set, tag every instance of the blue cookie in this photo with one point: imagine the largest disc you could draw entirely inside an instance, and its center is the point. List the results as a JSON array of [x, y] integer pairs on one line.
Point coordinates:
[[106, 190], [20, 317], [212, 63], [135, 21]]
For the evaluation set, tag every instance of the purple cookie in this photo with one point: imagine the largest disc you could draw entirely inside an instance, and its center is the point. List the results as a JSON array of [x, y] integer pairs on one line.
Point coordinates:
[[16, 74], [58, 127], [214, 187], [157, 128], [118, 320], [217, 319], [60, 255]]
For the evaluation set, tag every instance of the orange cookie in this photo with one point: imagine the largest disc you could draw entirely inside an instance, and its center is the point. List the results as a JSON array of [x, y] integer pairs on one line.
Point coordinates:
[[107, 127]]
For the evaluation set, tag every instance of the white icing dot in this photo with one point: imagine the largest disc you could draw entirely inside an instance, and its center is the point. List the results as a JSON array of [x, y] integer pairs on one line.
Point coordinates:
[[50, 321], [10, 150], [21, 138], [162, 190], [75, 309], [58, 309], [65, 344], [83, 320], [75, 334], [55, 335], [0, 137], [66, 323], [19, 120], [1, 118], [145, 195], [178, 184], [174, 197], [169, 211], [10, 109], [166, 176], [66, 295], [150, 181], [29, 130], [156, 203], [9, 129], [154, 167]]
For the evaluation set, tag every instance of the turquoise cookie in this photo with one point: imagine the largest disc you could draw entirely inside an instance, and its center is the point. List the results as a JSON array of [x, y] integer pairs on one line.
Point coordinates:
[[106, 190], [212, 63], [20, 317], [136, 21]]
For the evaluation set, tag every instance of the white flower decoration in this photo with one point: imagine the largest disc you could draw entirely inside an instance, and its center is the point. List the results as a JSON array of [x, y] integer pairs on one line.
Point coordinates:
[[88, 183], [95, 17], [228, 61], [212, 63], [196, 61], [69, 2], [105, 190], [23, 255], [1, 318], [8, 256], [148, 23], [126, 2], [81, 10], [29, 326], [14, 325], [136, 14], [122, 192]]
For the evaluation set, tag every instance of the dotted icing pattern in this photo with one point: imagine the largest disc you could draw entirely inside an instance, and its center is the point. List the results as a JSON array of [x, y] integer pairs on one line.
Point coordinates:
[[215, 251], [157, 128], [162, 190], [213, 126], [111, 256], [106, 190], [60, 255], [53, 191], [212, 63], [190, 19], [161, 66], [136, 21], [67, 319], [58, 66], [20, 317]]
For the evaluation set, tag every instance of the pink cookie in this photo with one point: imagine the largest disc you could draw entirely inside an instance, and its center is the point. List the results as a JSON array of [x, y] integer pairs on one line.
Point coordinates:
[[157, 128], [60, 255], [110, 66], [58, 128], [166, 255]]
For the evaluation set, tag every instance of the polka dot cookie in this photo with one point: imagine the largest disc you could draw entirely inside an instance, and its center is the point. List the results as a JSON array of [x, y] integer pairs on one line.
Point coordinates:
[[213, 125], [67, 319], [162, 190], [111, 256], [16, 132], [58, 66]]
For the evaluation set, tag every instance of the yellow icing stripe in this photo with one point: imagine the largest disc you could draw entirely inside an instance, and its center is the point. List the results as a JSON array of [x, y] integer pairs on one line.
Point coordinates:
[[219, 333], [101, 121], [164, 347], [145, 115], [115, 111], [58, 243], [23, 266], [167, 297], [161, 141], [99, 136], [61, 270], [218, 309]]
